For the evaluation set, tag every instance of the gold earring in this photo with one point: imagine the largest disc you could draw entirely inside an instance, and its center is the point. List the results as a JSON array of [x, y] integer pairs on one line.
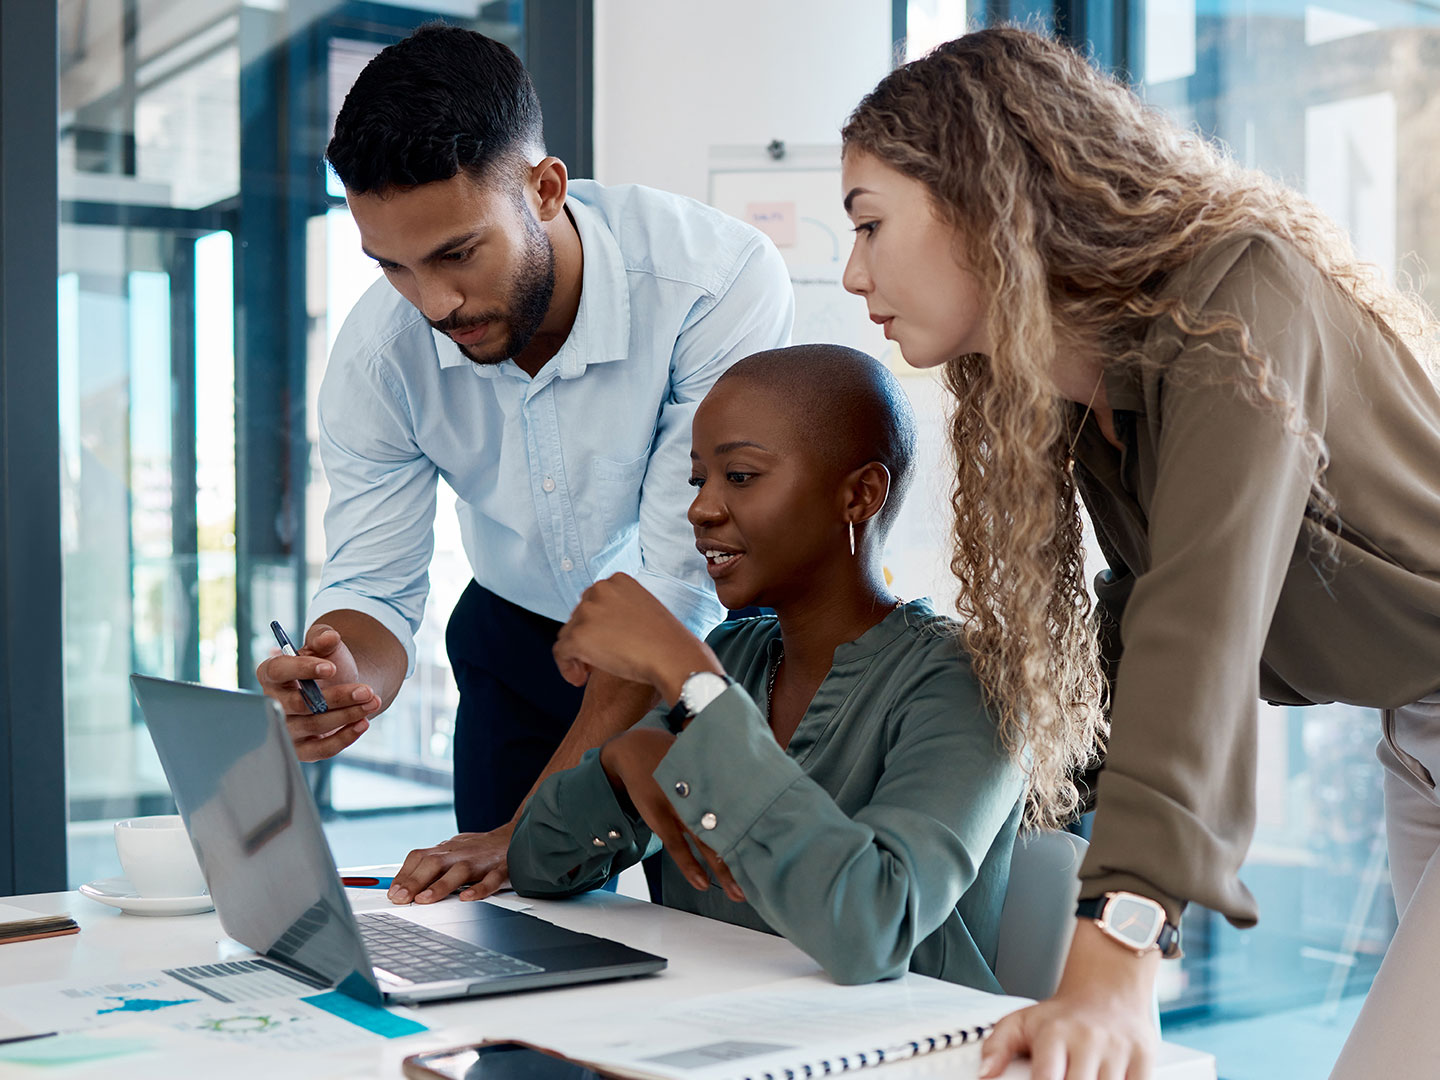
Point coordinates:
[[852, 538]]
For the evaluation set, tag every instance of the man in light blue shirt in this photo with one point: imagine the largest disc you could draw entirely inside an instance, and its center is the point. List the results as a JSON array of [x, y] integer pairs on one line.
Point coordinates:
[[543, 345]]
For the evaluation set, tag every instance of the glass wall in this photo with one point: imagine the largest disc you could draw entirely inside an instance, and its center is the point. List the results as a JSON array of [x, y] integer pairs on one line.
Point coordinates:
[[205, 266], [1336, 99]]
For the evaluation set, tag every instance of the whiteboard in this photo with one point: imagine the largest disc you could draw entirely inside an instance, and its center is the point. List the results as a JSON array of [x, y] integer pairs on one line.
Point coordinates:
[[798, 204]]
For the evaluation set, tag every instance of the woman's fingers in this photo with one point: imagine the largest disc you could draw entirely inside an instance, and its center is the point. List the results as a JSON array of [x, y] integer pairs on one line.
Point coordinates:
[[1066, 1043], [666, 824], [723, 877], [1005, 1040], [657, 813]]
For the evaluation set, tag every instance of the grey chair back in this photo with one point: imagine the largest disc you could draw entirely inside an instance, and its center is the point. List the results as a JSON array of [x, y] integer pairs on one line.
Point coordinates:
[[1038, 917]]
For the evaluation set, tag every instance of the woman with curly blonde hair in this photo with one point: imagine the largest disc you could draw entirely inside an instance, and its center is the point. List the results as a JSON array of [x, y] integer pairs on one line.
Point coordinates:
[[1129, 320]]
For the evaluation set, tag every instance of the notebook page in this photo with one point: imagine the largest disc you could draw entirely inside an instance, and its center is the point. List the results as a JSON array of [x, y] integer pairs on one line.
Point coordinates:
[[786, 1025]]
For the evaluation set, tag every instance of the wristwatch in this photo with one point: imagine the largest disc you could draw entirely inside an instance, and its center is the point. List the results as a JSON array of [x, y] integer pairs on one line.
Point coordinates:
[[1132, 920], [699, 689]]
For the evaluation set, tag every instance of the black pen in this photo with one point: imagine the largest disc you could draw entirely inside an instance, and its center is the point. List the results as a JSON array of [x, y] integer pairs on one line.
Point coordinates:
[[314, 700], [28, 1038]]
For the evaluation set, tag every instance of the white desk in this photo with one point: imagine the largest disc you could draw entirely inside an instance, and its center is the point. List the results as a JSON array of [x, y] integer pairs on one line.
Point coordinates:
[[705, 957]]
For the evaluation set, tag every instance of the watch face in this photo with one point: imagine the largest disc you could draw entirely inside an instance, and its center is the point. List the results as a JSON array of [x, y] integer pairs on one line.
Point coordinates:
[[1134, 920], [700, 689]]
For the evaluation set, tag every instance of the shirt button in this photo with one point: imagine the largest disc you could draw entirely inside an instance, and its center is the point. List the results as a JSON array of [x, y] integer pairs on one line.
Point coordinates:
[[566, 565], [709, 820], [549, 483], [682, 789]]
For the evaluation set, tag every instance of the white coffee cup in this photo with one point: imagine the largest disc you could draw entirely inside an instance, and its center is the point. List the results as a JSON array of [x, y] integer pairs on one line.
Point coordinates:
[[156, 855]]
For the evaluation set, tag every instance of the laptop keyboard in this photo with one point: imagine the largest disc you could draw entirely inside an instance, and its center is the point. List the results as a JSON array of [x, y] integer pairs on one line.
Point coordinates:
[[420, 954]]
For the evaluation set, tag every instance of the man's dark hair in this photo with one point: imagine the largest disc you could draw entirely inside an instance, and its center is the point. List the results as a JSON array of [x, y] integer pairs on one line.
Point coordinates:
[[443, 100], [847, 406]]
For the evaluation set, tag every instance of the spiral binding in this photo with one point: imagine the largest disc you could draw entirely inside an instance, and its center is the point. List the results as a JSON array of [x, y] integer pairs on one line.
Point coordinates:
[[848, 1062]]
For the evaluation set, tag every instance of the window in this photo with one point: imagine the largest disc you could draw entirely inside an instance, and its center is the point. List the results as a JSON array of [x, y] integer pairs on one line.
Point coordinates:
[[204, 270]]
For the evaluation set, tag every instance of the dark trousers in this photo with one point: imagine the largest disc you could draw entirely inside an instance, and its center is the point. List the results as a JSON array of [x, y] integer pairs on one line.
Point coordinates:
[[514, 706], [514, 709]]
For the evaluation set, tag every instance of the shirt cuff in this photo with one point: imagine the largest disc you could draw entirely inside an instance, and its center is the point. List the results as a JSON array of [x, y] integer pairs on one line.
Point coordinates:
[[586, 798], [698, 774], [699, 609], [337, 598]]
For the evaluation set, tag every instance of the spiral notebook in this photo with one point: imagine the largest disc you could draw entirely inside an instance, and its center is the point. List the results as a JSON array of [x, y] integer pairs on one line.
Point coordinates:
[[786, 1031]]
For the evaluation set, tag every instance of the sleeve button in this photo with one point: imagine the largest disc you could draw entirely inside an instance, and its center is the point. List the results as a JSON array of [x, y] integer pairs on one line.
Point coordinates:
[[709, 820], [597, 841], [682, 789], [614, 834]]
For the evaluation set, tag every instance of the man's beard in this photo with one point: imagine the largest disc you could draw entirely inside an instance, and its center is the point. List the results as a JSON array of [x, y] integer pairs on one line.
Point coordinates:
[[531, 290]]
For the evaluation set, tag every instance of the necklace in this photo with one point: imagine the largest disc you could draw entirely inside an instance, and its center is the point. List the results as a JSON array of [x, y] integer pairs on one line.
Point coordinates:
[[775, 670], [1070, 454], [770, 686]]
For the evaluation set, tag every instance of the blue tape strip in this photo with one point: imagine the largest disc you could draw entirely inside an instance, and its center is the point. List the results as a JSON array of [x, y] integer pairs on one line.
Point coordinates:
[[369, 1017]]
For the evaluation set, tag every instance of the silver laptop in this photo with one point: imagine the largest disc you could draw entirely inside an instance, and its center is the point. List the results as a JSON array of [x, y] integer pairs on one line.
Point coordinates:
[[257, 832]]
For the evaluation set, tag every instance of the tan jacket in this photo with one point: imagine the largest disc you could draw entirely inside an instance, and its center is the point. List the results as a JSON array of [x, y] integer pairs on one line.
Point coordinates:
[[1221, 590]]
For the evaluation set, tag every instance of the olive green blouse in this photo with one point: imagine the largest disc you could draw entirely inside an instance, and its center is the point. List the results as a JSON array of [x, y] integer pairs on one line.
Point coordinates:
[[1223, 590], [879, 840]]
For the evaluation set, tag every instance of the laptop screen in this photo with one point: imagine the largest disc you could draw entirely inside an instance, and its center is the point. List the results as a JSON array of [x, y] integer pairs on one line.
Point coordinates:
[[255, 828]]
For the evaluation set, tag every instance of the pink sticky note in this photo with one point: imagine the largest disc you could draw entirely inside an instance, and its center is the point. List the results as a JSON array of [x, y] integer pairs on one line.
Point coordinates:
[[775, 219]]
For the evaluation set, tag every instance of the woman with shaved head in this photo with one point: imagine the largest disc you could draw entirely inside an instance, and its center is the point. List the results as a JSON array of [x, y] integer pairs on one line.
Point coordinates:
[[834, 764]]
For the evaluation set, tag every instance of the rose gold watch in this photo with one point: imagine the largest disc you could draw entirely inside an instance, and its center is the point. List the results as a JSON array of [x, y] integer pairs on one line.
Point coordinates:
[[1134, 921]]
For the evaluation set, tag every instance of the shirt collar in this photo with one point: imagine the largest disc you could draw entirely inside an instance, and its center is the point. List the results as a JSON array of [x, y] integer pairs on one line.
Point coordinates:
[[602, 324], [911, 613]]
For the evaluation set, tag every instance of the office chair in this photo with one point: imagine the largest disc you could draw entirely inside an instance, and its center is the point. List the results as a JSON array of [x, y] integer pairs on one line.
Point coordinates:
[[1038, 917]]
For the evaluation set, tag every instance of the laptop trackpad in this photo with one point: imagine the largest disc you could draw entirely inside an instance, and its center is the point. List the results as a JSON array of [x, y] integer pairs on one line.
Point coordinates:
[[448, 913], [514, 936], [495, 927]]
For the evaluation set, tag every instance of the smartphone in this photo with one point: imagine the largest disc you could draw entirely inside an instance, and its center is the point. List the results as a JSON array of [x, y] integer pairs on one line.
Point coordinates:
[[496, 1061]]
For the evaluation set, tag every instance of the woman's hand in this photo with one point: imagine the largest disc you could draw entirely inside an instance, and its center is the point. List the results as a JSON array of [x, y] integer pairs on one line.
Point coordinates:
[[629, 761], [620, 628], [1098, 1026]]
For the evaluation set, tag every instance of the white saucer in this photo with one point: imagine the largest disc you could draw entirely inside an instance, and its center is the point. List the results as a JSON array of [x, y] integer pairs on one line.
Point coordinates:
[[118, 892]]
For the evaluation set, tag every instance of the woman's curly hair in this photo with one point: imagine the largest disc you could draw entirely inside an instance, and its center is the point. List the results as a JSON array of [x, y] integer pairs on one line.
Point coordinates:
[[1072, 201]]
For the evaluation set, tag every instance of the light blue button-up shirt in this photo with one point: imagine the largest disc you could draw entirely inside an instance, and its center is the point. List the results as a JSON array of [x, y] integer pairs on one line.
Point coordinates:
[[566, 478]]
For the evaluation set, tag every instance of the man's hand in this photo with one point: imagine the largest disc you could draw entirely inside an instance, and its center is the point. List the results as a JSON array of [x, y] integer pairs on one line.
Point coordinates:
[[619, 627], [326, 659], [431, 874], [630, 760]]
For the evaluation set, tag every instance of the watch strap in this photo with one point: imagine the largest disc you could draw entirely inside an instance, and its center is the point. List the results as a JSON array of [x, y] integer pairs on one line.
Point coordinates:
[[676, 717]]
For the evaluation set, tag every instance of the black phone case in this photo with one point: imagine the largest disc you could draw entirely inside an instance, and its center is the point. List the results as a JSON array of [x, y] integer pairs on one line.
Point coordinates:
[[417, 1067]]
